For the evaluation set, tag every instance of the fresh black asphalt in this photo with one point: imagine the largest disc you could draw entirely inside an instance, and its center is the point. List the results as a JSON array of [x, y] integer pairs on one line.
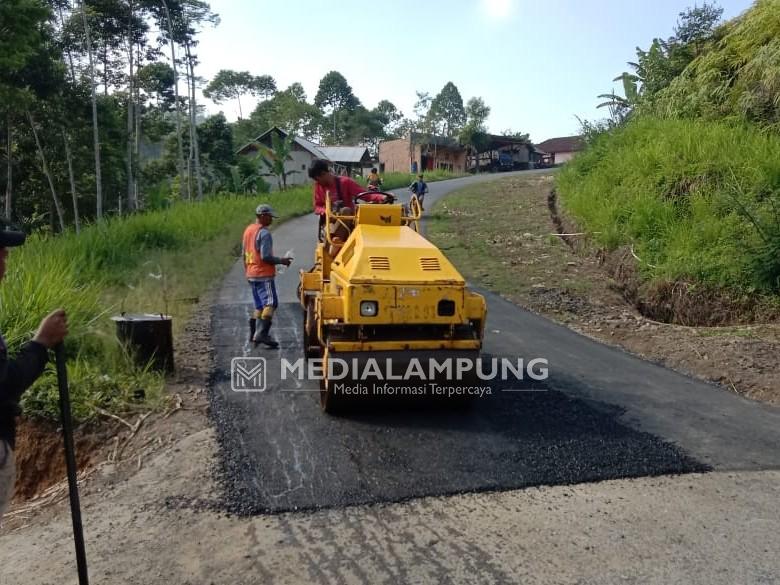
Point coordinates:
[[602, 414]]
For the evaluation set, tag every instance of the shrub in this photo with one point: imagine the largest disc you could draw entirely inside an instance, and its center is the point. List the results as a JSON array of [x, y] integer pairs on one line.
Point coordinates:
[[698, 200]]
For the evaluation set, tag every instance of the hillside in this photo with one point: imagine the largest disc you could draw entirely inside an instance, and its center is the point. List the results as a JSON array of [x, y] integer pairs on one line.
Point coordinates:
[[683, 193]]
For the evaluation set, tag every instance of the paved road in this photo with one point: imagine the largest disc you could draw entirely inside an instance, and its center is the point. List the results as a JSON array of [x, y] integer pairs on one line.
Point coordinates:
[[716, 528], [604, 414]]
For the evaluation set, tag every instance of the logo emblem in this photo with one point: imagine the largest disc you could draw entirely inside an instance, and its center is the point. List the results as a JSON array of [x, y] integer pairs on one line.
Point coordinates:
[[247, 374]]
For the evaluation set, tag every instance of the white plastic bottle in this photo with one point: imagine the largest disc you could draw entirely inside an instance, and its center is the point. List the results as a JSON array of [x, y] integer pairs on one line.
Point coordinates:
[[280, 268]]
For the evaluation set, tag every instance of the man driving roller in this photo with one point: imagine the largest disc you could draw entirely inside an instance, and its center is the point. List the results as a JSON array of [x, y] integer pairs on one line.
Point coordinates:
[[343, 191]]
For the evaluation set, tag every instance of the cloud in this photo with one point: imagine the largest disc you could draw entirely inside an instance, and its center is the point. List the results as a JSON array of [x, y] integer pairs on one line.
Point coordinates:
[[497, 9]]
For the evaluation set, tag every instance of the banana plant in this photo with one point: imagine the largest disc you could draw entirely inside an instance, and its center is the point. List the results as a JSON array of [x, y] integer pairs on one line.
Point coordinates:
[[275, 158]]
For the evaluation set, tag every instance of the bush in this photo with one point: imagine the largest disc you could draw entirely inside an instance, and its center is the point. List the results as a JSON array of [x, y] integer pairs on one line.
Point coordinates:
[[88, 272], [697, 200]]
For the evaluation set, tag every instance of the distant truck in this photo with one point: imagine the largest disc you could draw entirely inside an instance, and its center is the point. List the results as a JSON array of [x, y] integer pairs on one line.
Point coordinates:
[[496, 161]]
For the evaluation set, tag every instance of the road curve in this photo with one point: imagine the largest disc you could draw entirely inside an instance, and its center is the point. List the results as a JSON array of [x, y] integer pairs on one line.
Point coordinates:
[[605, 414]]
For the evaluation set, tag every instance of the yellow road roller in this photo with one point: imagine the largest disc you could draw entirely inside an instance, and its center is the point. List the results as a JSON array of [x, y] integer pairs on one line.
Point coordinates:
[[386, 306]]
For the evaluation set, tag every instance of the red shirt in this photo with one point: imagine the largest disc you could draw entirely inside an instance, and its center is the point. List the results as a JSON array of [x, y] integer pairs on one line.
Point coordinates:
[[348, 189]]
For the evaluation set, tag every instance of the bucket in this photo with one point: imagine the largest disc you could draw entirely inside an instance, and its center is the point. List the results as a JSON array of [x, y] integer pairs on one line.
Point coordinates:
[[149, 337]]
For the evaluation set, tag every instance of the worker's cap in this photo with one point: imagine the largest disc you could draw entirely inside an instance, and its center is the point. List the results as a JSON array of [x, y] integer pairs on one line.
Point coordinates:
[[265, 209], [9, 236]]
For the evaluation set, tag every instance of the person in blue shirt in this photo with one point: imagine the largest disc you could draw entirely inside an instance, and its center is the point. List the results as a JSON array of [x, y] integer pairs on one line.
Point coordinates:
[[419, 188]]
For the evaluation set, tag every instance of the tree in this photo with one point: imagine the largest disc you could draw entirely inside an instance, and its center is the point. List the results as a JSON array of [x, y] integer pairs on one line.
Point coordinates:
[[362, 126], [697, 24], [215, 138], [171, 39], [477, 112], [447, 113], [156, 79], [620, 107], [390, 117], [335, 95], [228, 84], [289, 111], [664, 60], [265, 86], [95, 128], [474, 132], [422, 108], [20, 22]]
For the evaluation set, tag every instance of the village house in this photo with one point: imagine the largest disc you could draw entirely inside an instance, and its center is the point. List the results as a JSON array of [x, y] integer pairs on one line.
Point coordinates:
[[560, 150], [344, 159], [419, 152]]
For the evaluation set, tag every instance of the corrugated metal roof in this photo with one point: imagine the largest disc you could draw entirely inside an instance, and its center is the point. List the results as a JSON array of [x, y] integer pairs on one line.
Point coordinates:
[[336, 154], [311, 147], [345, 154]]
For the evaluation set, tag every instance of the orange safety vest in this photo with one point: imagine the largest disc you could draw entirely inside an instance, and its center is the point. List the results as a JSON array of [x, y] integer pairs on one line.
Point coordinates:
[[254, 264]]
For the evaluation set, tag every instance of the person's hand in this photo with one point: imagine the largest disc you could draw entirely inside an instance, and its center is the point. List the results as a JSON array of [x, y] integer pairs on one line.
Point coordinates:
[[287, 261], [52, 329]]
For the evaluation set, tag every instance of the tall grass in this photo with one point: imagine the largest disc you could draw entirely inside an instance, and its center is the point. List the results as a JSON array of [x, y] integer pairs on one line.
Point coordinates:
[[106, 268], [698, 200], [397, 180], [159, 261], [738, 78]]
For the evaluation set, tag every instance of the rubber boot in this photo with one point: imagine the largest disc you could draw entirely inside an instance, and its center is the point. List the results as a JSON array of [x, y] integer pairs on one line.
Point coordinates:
[[263, 336], [252, 329]]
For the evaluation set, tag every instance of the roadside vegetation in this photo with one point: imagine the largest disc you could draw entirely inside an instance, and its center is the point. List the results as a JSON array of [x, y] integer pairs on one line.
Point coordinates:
[[400, 180], [158, 262], [153, 262], [698, 201], [685, 173]]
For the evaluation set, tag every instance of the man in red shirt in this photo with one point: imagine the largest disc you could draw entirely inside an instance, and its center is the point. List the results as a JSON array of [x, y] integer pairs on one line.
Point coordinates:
[[341, 190]]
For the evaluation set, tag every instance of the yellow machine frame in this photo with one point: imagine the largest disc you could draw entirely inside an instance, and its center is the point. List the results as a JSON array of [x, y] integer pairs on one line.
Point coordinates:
[[386, 288]]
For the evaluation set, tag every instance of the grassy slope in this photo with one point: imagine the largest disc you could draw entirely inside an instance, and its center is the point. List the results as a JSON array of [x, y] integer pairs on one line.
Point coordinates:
[[498, 234], [699, 201], [692, 182], [157, 261]]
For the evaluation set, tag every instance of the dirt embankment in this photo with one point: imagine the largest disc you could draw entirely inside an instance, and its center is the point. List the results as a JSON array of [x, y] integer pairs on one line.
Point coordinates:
[[114, 448], [510, 236], [677, 302]]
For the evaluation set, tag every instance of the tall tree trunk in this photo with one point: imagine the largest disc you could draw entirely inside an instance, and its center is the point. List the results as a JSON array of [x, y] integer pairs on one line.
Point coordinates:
[[191, 145], [137, 116], [240, 113], [70, 55], [131, 203], [176, 95], [72, 179], [9, 185], [193, 120], [105, 68], [95, 131], [54, 196]]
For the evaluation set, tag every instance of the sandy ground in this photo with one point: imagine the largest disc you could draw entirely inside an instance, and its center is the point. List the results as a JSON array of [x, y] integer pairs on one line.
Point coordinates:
[[156, 527]]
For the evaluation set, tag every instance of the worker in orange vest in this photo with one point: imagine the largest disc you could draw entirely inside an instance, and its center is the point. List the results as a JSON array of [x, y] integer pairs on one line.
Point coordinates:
[[260, 266]]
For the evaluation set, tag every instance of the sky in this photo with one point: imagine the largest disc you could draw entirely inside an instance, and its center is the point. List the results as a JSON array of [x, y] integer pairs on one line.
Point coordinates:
[[537, 64]]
